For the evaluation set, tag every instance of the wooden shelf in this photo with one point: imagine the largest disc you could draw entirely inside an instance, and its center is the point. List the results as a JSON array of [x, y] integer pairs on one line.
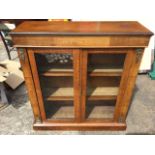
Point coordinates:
[[59, 94], [105, 71], [56, 71], [59, 111], [91, 72], [102, 93], [99, 112], [99, 93]]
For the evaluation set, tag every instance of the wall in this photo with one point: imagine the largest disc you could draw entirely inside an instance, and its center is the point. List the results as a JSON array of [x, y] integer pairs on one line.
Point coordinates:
[[120, 10]]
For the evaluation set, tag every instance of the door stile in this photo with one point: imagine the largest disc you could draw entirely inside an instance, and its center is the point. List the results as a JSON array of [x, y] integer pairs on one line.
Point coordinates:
[[77, 84], [37, 83], [84, 62]]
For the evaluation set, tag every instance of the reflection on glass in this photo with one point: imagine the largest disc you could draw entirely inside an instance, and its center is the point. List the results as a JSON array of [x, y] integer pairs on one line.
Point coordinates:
[[56, 80]]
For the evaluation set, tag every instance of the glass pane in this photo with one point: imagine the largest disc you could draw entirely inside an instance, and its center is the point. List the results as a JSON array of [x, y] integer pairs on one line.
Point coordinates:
[[100, 109], [56, 80], [103, 80], [59, 110], [54, 63]]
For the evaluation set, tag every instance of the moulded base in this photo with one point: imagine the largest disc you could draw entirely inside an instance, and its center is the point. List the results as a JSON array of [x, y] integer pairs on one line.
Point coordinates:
[[79, 126]]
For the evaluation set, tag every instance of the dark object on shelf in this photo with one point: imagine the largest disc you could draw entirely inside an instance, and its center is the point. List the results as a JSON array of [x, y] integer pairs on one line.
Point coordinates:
[[92, 87]]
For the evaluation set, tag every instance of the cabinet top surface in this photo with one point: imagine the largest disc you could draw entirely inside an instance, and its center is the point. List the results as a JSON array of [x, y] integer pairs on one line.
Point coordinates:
[[81, 28]]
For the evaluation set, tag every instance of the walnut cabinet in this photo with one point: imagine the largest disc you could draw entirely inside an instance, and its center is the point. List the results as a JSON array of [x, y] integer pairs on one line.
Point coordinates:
[[80, 75]]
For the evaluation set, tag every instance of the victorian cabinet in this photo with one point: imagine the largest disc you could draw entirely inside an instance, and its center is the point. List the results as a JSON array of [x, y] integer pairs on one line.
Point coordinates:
[[80, 75]]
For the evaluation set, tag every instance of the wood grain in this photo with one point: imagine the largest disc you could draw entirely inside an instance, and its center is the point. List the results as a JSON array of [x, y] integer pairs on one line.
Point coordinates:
[[77, 84], [80, 126], [105, 64], [127, 84], [30, 85], [82, 28], [83, 78], [47, 41], [126, 99], [37, 83]]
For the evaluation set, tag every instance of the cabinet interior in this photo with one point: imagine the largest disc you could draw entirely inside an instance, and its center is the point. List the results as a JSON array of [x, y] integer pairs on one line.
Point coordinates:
[[56, 80], [103, 81]]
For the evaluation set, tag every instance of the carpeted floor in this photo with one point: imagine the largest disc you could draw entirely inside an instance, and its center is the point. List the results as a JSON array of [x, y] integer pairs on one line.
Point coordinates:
[[17, 118]]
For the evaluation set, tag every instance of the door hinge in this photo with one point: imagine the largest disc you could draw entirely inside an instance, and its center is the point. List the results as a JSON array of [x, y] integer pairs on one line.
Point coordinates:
[[138, 54], [21, 54]]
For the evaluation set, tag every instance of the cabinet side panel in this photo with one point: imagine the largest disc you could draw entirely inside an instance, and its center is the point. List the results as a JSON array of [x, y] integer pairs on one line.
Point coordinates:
[[131, 66], [29, 83], [137, 57], [123, 83]]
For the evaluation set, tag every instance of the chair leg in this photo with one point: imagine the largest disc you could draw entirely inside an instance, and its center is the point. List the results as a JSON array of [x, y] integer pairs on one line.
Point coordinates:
[[6, 47], [3, 96]]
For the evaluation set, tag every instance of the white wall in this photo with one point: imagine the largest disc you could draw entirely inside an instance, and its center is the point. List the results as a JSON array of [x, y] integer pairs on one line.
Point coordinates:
[[122, 10], [97, 10]]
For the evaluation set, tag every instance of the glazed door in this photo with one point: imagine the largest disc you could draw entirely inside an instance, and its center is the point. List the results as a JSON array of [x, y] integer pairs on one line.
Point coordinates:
[[56, 77], [101, 78]]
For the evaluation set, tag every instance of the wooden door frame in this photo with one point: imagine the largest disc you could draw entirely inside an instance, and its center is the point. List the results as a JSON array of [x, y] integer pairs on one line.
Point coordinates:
[[37, 82], [84, 66], [76, 82], [80, 57]]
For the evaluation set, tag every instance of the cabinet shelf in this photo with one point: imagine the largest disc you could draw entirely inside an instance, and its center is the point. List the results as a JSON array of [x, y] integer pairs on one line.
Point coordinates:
[[102, 93], [99, 93], [99, 110], [58, 110], [91, 71], [59, 94], [99, 70], [105, 72], [56, 71]]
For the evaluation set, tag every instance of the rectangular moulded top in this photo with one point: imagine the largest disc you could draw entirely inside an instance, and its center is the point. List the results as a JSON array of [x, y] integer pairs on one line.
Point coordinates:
[[81, 28]]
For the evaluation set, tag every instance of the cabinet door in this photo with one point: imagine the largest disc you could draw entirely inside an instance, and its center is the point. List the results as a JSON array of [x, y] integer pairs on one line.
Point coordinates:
[[101, 77], [56, 78]]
